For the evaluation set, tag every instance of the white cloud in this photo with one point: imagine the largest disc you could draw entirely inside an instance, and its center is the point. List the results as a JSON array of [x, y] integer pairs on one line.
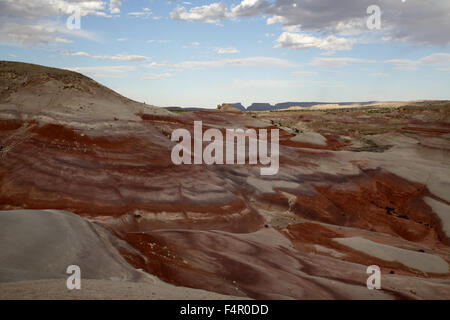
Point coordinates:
[[228, 50], [155, 65], [336, 62], [74, 53], [327, 53], [434, 59], [43, 33], [123, 57], [211, 13], [145, 13], [35, 9], [114, 6], [103, 71], [62, 40], [250, 8], [242, 62], [304, 73], [296, 28], [275, 19], [425, 22], [403, 64], [117, 57], [29, 23], [157, 76], [350, 27], [302, 41]]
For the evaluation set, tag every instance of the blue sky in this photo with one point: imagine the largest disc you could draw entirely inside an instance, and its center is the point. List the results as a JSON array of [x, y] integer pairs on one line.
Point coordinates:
[[202, 53]]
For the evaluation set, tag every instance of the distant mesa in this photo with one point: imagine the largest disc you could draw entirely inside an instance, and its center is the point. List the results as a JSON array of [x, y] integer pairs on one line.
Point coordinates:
[[291, 106], [260, 107], [179, 109], [239, 106], [299, 105], [174, 108], [228, 107]]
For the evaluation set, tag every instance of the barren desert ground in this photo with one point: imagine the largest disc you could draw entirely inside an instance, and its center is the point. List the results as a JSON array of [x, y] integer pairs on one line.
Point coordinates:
[[86, 179]]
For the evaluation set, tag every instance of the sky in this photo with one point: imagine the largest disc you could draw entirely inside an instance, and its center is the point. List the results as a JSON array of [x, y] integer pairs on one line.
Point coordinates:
[[201, 53]]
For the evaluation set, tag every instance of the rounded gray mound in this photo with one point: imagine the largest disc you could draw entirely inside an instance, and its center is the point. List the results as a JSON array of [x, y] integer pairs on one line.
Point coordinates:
[[41, 244]]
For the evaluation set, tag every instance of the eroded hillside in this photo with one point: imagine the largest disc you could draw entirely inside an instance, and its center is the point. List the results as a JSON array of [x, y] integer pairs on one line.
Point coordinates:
[[355, 188]]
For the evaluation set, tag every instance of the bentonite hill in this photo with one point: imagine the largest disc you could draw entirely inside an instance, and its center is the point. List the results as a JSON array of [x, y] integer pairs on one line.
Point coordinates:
[[86, 178]]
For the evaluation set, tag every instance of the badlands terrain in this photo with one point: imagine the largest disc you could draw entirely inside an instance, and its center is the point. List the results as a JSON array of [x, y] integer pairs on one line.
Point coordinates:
[[86, 178]]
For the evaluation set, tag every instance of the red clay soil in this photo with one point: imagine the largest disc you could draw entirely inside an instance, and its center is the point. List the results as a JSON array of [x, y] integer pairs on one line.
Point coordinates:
[[198, 225]]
